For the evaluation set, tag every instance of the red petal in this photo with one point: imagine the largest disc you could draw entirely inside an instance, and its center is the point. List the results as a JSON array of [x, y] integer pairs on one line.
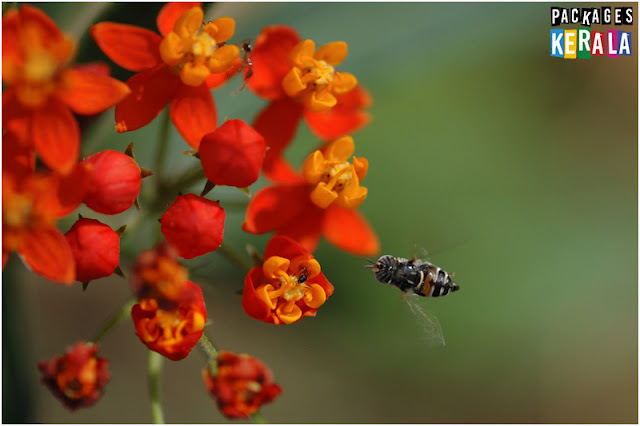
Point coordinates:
[[270, 58], [273, 207], [89, 93], [193, 225], [151, 90], [15, 117], [133, 48], [252, 305], [307, 227], [10, 36], [46, 251], [95, 68], [349, 231], [18, 156], [64, 192], [345, 118], [218, 79], [170, 13], [193, 112], [278, 123], [232, 154], [280, 245], [56, 136]]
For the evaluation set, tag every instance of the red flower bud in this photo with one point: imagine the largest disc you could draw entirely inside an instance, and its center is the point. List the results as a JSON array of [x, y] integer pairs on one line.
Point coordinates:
[[193, 225], [242, 384], [78, 377], [115, 182], [171, 329], [95, 248], [232, 154]]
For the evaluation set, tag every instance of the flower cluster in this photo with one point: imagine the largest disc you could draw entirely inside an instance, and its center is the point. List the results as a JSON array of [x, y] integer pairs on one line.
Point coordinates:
[[45, 179]]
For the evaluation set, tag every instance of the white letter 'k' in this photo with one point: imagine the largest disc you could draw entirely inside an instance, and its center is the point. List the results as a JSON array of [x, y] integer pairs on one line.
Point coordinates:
[[556, 43]]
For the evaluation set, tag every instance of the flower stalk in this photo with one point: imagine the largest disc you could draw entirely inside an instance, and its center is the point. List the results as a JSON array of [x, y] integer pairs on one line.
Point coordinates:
[[114, 319]]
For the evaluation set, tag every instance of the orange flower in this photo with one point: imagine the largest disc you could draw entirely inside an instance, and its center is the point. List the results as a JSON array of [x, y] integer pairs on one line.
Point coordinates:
[[30, 208], [78, 377], [157, 274], [301, 82], [241, 385], [178, 68], [43, 90], [287, 287], [171, 328], [320, 202]]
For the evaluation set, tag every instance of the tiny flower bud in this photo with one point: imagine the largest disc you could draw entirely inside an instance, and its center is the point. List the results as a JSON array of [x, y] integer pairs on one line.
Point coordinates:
[[95, 248], [242, 384], [157, 274], [115, 182], [78, 377], [232, 154], [193, 225]]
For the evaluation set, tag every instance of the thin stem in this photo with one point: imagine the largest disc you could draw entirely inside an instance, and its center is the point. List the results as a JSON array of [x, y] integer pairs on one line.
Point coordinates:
[[155, 368], [211, 353], [161, 153], [235, 257], [189, 177], [123, 312]]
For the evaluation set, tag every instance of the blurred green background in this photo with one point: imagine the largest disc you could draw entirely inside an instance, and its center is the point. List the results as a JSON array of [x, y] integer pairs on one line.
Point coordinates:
[[515, 170]]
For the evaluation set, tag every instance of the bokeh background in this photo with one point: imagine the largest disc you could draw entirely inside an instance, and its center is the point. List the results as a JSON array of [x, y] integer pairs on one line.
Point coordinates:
[[515, 170]]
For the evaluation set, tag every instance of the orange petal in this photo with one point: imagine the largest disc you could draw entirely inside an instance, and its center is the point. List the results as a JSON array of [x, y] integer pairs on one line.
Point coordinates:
[[349, 231], [306, 229], [346, 117], [43, 29], [332, 53], [224, 29], [193, 112], [189, 22], [170, 13], [64, 193], [89, 93], [340, 149], [56, 136], [151, 90], [131, 47], [215, 80], [343, 83], [46, 251], [10, 39], [278, 123], [302, 53], [270, 61], [292, 84], [319, 101]]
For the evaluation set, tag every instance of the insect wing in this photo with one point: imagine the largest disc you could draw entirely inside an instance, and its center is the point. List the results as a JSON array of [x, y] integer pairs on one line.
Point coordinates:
[[428, 321]]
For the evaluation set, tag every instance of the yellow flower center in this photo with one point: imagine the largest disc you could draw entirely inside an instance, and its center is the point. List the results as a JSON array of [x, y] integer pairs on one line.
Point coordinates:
[[319, 74], [289, 282], [334, 178], [195, 50]]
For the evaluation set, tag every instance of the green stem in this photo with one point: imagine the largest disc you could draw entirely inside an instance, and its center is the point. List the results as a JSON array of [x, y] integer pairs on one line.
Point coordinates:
[[161, 153], [235, 257], [211, 353], [257, 418], [116, 318], [155, 368], [189, 177]]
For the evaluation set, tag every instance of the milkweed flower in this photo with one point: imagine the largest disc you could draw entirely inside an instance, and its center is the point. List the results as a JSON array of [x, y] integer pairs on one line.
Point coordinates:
[[288, 286], [157, 274], [171, 328], [193, 225], [30, 208], [95, 248], [301, 82], [178, 68], [43, 90], [232, 154], [78, 377], [322, 201], [241, 385], [115, 180]]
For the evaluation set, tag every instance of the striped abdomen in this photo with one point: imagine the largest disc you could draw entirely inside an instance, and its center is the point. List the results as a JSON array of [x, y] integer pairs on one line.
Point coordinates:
[[435, 282]]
